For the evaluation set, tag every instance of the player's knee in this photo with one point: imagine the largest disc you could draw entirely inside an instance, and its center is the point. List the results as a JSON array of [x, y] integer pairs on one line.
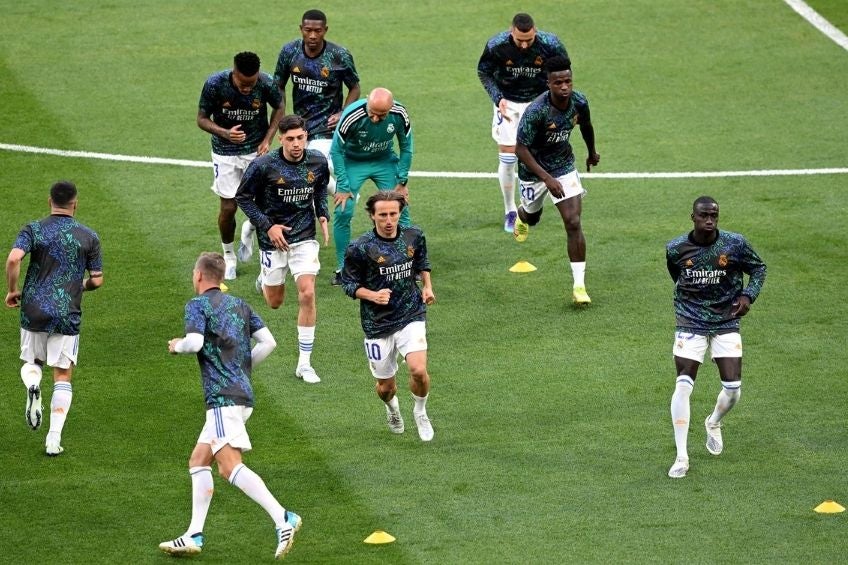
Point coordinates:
[[418, 374], [531, 218], [343, 216], [572, 224], [228, 207], [386, 389], [225, 470], [306, 297], [274, 300]]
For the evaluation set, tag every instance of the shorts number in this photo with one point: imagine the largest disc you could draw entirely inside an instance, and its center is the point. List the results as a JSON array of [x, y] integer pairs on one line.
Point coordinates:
[[215, 166], [266, 259], [372, 351], [528, 193]]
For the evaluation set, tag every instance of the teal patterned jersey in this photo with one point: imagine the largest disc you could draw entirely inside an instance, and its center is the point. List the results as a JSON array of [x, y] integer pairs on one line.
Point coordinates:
[[375, 263], [709, 278], [226, 324], [222, 102], [545, 130], [274, 190], [61, 251], [316, 83], [508, 72]]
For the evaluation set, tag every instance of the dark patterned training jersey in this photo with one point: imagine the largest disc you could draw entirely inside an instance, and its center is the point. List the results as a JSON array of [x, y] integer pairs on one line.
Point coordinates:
[[545, 130], [276, 191], [509, 72], [226, 324], [61, 251], [358, 138], [316, 83], [222, 102], [375, 263], [709, 278]]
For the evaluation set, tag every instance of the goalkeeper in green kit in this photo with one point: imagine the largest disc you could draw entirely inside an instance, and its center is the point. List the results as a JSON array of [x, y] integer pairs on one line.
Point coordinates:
[[363, 148]]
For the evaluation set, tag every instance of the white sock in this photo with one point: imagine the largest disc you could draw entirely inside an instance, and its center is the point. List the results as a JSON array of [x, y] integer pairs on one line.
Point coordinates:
[[253, 486], [578, 271], [228, 248], [202, 488], [506, 176], [60, 405], [680, 413], [31, 375], [420, 404], [393, 406], [727, 398], [305, 339]]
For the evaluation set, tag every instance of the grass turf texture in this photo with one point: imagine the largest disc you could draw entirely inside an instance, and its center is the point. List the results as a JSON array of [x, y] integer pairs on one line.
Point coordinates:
[[552, 428]]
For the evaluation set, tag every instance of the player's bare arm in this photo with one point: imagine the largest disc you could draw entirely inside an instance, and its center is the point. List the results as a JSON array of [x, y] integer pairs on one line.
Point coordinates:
[[13, 275], [588, 133]]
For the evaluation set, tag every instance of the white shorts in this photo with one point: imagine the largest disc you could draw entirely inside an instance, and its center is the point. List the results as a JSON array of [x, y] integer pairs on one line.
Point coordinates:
[[694, 346], [505, 132], [382, 352], [56, 350], [533, 193], [228, 170], [322, 145], [224, 426], [300, 259]]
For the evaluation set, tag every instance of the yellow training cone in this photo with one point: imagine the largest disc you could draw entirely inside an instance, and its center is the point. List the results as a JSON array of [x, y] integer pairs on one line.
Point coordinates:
[[223, 287], [522, 267], [829, 507], [379, 536]]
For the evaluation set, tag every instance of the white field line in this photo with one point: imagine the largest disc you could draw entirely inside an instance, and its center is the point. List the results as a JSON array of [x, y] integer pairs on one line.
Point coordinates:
[[818, 21], [438, 174]]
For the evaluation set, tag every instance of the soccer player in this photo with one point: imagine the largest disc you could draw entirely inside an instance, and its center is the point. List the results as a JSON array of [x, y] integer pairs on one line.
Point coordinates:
[[219, 328], [233, 108], [546, 163], [61, 251], [379, 270], [318, 70], [282, 193], [363, 148], [707, 266], [510, 69]]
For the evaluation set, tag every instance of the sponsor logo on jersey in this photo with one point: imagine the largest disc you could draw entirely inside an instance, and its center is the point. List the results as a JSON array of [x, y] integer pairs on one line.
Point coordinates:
[[227, 104], [552, 125], [295, 69], [529, 72], [509, 63], [381, 259], [281, 180], [397, 272], [722, 260], [689, 262], [704, 276]]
